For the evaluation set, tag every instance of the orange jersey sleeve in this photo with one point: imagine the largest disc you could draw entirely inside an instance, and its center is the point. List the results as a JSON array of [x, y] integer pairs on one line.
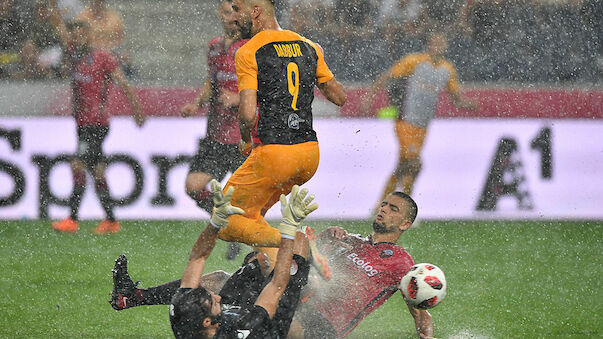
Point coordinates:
[[406, 66], [247, 69], [453, 83], [323, 73]]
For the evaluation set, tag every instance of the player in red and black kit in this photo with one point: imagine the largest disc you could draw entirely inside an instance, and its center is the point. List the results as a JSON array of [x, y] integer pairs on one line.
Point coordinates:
[[365, 273], [92, 71], [218, 152]]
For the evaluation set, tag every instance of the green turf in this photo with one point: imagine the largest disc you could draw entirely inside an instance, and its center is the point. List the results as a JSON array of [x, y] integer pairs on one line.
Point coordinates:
[[505, 279]]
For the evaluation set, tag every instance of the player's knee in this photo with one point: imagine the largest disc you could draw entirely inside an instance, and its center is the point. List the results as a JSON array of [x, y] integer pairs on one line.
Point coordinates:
[[99, 171], [195, 184], [77, 165], [402, 168], [414, 167]]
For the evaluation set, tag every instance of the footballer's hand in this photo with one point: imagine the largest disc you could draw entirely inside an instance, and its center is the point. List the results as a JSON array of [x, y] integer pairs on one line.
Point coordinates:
[[337, 232], [188, 110], [366, 105], [228, 99], [140, 118], [222, 207], [295, 210], [245, 147]]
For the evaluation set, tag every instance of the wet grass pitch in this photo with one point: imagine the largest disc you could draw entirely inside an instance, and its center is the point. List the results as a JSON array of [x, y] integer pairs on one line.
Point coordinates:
[[506, 279]]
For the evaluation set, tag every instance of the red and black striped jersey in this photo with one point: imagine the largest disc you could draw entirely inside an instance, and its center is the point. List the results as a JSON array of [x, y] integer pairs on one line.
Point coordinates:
[[364, 276], [223, 122]]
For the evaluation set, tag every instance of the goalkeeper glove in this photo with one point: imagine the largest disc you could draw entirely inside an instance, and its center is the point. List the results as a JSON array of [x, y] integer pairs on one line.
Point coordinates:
[[222, 207], [294, 211]]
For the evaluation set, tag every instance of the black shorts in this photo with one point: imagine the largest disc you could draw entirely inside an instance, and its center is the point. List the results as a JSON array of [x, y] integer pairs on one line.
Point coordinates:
[[90, 144], [216, 159], [278, 327]]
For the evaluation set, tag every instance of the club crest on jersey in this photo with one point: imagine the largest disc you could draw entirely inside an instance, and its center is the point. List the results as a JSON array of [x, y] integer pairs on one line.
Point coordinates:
[[363, 265], [386, 253], [294, 121]]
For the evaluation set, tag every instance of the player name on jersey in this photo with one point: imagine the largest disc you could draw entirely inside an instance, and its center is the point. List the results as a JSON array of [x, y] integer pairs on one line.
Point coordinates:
[[288, 50]]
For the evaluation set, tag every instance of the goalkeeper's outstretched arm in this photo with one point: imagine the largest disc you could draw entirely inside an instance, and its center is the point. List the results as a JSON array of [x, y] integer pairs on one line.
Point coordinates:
[[207, 239], [294, 212]]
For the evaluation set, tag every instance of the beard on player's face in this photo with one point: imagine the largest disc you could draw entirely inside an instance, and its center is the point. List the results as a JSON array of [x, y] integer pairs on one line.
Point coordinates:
[[244, 28], [379, 227]]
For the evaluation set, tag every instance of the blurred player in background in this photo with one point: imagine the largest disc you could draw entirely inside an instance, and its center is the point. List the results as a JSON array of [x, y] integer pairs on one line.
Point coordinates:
[[416, 83], [107, 31], [277, 71], [218, 152], [91, 72], [365, 273]]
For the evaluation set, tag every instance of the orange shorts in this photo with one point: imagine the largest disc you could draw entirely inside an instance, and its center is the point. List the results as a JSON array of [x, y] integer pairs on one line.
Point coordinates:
[[411, 139], [268, 172]]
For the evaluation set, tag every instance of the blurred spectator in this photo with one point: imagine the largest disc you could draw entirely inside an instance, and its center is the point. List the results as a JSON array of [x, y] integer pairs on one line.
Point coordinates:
[[401, 16], [401, 23], [443, 13], [13, 24], [107, 31], [70, 9], [41, 52], [106, 25], [354, 39]]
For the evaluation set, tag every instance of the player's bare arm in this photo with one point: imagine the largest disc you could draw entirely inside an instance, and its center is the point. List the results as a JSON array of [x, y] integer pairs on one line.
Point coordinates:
[[461, 102], [272, 293], [333, 90], [57, 22], [206, 241], [191, 278], [228, 98], [119, 78], [202, 99], [247, 111], [369, 98], [294, 212], [423, 322]]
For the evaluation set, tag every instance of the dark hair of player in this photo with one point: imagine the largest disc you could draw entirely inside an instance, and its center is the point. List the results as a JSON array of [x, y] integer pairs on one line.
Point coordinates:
[[411, 209], [188, 309]]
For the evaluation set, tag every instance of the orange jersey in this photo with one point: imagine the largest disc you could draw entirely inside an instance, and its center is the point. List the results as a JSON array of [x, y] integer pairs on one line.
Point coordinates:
[[283, 67], [420, 80]]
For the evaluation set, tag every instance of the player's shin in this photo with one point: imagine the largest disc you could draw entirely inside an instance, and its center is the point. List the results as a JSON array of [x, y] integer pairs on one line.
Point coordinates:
[[102, 190], [79, 187]]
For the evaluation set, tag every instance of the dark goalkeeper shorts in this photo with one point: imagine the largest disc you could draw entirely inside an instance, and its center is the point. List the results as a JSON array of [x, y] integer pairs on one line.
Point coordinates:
[[216, 159], [90, 144], [278, 327]]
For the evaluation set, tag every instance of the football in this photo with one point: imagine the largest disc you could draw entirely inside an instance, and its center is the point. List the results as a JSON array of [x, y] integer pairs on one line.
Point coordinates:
[[423, 286]]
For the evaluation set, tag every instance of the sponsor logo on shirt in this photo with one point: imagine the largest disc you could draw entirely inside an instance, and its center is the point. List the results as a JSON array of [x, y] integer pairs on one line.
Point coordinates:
[[363, 265], [294, 121], [386, 253]]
